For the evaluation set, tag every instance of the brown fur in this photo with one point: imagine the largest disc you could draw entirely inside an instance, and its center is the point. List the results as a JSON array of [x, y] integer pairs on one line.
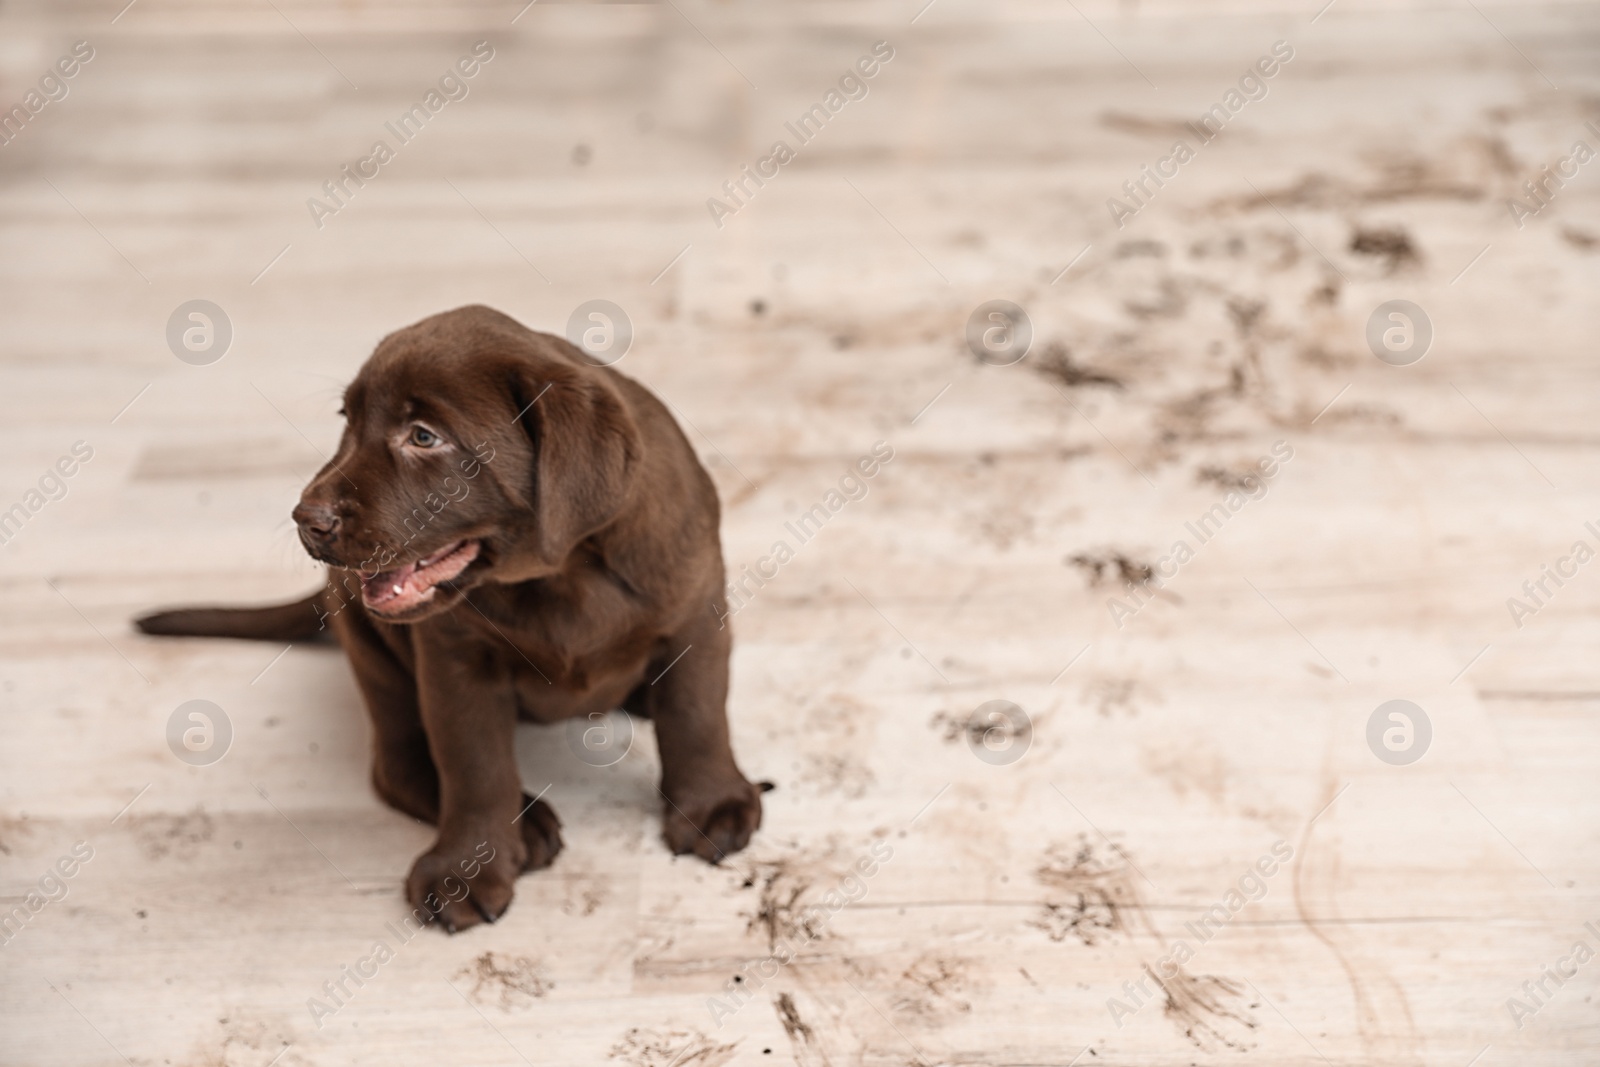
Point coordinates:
[[600, 564]]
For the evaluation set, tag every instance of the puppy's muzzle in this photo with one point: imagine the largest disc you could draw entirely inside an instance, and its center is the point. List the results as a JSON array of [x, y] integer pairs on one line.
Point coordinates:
[[319, 527]]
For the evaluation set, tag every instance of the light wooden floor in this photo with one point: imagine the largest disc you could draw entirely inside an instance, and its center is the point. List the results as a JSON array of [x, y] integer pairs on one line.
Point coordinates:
[[1168, 755]]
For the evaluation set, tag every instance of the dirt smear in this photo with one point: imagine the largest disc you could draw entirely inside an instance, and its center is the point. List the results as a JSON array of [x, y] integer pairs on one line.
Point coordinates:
[[1056, 362], [1102, 565], [1144, 126], [513, 982], [833, 772], [586, 893], [1245, 477], [1468, 169], [1222, 332], [827, 738], [242, 1037], [780, 914], [1111, 694], [808, 1050], [1190, 766], [1202, 1007], [1090, 894], [980, 730], [674, 1048], [13, 829], [179, 836], [1392, 244], [1580, 239], [789, 880], [935, 987]]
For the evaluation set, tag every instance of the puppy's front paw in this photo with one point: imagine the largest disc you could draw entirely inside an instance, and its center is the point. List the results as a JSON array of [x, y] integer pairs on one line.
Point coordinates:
[[462, 885], [541, 833], [712, 823]]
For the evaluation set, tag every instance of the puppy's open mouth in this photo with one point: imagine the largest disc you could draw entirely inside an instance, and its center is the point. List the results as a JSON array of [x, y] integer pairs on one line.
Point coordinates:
[[396, 591]]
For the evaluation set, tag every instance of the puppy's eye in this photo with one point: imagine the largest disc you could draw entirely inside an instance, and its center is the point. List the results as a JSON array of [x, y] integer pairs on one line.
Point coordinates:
[[423, 437]]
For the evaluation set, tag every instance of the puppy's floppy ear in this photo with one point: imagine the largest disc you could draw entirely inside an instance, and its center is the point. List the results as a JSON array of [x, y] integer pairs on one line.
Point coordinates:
[[585, 452]]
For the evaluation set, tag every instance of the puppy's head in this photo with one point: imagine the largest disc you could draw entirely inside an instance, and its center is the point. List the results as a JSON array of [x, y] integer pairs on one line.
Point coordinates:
[[474, 451]]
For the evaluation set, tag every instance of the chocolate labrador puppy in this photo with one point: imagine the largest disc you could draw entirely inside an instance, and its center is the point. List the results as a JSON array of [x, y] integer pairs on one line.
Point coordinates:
[[512, 532]]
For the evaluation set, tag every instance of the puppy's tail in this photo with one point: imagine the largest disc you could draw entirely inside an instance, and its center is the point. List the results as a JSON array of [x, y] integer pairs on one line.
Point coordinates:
[[299, 621]]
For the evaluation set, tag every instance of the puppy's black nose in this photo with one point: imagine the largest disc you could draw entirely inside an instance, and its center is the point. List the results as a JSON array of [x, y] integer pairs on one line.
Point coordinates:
[[318, 521]]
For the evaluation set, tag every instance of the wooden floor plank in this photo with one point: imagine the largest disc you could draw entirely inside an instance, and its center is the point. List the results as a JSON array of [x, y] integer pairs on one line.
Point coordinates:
[[1016, 910]]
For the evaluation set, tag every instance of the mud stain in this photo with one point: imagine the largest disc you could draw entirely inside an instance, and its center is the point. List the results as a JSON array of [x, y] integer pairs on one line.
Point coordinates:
[[828, 739], [243, 1039], [179, 836], [933, 988], [1101, 565], [585, 895], [1203, 1008], [808, 1050], [1112, 695], [1003, 525], [1580, 239], [1142, 126], [838, 773], [1222, 332], [1392, 244], [1244, 477], [780, 913], [1140, 248], [1089, 894], [1166, 299], [1192, 768], [1393, 180], [998, 732], [1056, 362], [1092, 896], [512, 982], [675, 1048], [13, 829]]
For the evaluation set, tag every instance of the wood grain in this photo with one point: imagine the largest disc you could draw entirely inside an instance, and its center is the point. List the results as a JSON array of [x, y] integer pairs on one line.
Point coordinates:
[[1022, 903]]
